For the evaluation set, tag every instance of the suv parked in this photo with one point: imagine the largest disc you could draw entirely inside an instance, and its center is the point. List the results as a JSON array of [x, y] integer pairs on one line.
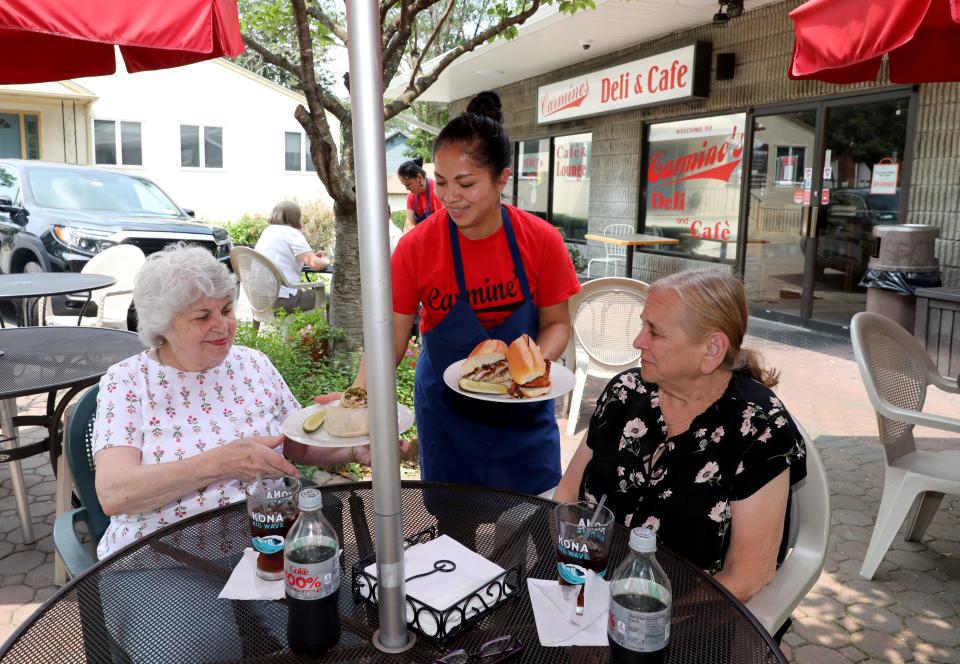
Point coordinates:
[[55, 217], [846, 240]]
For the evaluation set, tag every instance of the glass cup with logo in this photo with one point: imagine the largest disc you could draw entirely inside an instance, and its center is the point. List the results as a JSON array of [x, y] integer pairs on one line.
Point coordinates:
[[272, 506], [582, 544]]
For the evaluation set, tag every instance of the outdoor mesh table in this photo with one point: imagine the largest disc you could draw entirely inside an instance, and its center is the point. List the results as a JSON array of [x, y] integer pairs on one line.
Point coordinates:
[[156, 601], [35, 360], [20, 287]]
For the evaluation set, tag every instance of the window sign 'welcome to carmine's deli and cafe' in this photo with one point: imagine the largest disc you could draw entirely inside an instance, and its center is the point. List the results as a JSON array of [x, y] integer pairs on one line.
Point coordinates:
[[680, 74]]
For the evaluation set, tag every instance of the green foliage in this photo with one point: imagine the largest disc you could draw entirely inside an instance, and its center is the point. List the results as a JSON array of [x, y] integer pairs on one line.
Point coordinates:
[[399, 218], [319, 225], [420, 143], [579, 260], [246, 229]]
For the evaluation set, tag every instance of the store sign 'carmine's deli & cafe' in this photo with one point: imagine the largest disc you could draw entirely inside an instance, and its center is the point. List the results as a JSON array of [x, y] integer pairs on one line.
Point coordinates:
[[683, 73]]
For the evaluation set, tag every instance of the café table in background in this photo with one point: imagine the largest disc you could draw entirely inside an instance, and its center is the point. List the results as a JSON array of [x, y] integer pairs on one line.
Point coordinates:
[[631, 242], [37, 360], [21, 288], [157, 599]]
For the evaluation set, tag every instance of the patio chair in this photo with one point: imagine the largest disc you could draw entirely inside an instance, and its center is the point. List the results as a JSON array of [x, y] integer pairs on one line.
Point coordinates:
[[896, 372], [606, 319], [122, 262], [616, 254], [78, 443], [261, 281], [806, 547]]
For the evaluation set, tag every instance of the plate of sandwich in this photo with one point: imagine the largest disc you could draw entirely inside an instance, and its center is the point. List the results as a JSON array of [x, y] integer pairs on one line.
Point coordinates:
[[517, 373], [341, 423]]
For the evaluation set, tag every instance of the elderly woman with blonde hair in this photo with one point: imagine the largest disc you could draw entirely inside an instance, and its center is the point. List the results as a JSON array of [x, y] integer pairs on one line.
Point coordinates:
[[181, 426], [694, 444]]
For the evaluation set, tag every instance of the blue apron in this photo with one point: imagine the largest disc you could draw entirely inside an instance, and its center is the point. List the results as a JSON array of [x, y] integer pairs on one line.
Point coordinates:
[[506, 446], [417, 218]]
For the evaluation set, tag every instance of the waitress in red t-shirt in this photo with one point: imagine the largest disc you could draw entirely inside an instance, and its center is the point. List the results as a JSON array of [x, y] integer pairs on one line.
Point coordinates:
[[481, 270], [422, 200]]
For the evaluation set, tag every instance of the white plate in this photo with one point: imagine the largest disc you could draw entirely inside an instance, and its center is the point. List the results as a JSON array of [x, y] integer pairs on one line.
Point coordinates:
[[562, 381], [292, 428]]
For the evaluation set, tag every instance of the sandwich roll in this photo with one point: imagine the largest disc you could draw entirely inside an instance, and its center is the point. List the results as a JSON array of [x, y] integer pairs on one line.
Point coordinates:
[[485, 369], [528, 369]]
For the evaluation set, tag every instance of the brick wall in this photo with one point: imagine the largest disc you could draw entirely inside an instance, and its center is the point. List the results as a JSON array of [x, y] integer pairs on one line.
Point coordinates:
[[763, 43]]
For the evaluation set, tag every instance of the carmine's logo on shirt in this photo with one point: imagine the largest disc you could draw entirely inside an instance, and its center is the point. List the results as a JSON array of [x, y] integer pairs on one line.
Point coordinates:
[[491, 297]]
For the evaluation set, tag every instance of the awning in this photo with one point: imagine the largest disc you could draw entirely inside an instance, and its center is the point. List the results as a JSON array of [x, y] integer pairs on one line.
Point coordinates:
[[844, 41], [50, 40]]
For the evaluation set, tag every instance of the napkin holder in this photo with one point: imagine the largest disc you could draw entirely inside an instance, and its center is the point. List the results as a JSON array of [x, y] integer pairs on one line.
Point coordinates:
[[439, 625]]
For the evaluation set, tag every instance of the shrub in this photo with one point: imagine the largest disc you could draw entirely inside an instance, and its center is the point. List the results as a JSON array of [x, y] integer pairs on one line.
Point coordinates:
[[246, 229], [319, 225], [399, 218]]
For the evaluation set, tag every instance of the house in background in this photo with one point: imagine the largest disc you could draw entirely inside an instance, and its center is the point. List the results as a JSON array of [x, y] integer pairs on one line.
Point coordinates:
[[216, 137]]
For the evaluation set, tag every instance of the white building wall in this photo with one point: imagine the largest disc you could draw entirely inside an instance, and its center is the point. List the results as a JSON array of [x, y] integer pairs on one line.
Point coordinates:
[[253, 113]]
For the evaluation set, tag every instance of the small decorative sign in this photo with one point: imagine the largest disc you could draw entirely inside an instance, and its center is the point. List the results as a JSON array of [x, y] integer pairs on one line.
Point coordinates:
[[886, 173]]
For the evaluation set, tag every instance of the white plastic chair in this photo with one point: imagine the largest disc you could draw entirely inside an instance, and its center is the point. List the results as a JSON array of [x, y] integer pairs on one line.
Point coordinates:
[[616, 254], [261, 281], [122, 262], [606, 319], [806, 546], [896, 372]]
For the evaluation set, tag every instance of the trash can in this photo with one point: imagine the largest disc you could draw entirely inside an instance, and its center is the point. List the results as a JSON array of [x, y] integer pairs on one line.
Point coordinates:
[[902, 262]]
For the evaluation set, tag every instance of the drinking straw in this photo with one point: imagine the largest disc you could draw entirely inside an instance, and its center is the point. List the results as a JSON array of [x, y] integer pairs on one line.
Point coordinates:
[[596, 513]]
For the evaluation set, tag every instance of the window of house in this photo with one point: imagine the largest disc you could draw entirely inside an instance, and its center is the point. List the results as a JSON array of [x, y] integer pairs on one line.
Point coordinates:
[[692, 185], [194, 151], [19, 135], [296, 154], [111, 137], [570, 194]]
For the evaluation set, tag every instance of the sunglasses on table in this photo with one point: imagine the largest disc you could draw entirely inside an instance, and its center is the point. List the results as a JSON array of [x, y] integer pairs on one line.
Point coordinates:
[[496, 650]]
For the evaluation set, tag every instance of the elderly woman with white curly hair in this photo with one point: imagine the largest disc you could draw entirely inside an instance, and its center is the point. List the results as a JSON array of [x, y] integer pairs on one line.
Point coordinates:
[[182, 425]]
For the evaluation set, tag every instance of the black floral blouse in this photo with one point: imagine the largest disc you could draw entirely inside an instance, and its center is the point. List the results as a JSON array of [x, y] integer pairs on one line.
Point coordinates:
[[682, 486]]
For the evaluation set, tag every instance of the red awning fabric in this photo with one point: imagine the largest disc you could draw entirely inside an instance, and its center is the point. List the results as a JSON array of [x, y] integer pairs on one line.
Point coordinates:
[[844, 41], [52, 40]]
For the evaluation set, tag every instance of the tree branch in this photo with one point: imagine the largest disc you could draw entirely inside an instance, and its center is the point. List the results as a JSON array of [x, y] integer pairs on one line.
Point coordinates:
[[433, 36], [271, 57], [327, 22], [414, 90]]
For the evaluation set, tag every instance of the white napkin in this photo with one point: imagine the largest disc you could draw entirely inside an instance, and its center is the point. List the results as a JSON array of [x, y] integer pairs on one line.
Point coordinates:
[[245, 584], [442, 590], [555, 608]]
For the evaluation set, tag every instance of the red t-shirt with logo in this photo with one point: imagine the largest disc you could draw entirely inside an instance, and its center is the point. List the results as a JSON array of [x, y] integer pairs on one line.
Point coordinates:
[[423, 270], [418, 202]]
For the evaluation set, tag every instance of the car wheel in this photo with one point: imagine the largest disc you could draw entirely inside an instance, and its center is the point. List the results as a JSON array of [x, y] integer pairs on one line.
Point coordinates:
[[31, 313]]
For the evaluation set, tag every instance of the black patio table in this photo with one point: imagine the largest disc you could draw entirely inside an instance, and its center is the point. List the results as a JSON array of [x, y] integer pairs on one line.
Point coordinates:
[[34, 360], [156, 600], [22, 287]]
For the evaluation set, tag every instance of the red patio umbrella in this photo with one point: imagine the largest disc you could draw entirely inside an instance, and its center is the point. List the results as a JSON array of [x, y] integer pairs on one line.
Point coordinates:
[[844, 41], [52, 40]]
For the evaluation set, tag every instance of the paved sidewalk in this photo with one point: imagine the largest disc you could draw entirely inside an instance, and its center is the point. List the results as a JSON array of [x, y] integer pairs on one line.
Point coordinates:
[[910, 612]]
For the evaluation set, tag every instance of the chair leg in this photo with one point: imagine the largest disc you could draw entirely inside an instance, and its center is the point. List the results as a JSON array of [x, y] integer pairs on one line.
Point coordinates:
[[575, 402], [920, 518], [895, 504]]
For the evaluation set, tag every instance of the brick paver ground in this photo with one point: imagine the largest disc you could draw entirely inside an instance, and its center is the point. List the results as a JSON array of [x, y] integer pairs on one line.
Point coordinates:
[[909, 612]]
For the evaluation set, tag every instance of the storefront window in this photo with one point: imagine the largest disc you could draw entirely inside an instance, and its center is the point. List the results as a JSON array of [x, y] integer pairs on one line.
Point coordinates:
[[533, 176], [693, 179], [571, 184]]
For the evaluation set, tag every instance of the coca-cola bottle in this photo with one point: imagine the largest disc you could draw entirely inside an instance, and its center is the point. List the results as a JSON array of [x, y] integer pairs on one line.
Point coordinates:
[[311, 563], [640, 599]]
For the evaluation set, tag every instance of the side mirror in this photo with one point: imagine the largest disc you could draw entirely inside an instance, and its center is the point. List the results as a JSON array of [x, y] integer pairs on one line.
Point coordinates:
[[6, 204], [189, 212]]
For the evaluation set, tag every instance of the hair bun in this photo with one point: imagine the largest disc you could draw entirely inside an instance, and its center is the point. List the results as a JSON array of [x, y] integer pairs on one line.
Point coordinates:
[[418, 161], [487, 104]]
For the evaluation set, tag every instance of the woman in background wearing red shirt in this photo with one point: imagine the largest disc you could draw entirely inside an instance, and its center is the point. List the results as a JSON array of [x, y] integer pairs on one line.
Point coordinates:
[[481, 270], [422, 200]]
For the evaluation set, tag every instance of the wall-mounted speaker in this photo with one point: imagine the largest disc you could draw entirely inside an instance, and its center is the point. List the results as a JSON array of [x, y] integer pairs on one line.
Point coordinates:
[[725, 64]]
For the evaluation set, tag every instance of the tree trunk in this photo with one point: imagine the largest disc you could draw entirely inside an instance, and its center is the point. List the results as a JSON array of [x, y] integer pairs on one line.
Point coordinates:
[[346, 310]]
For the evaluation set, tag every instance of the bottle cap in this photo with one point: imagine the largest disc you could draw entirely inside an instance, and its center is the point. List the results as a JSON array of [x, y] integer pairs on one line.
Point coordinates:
[[643, 540], [310, 499]]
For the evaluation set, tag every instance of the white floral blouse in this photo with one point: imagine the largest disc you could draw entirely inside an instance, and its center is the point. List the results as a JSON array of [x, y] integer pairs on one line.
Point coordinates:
[[171, 415], [682, 487]]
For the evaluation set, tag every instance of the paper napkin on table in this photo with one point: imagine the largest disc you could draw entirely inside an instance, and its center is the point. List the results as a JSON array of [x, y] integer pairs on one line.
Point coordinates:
[[444, 590], [555, 608], [245, 584]]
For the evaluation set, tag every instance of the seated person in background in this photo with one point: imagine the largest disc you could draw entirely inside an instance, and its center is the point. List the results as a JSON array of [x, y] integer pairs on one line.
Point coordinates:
[[283, 242], [181, 426], [694, 444]]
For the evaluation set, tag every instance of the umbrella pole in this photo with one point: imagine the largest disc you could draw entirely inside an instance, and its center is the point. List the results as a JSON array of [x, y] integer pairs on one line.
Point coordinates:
[[366, 92]]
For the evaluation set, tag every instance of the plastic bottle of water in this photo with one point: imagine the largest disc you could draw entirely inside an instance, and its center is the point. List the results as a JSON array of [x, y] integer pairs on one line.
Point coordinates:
[[311, 565], [640, 599]]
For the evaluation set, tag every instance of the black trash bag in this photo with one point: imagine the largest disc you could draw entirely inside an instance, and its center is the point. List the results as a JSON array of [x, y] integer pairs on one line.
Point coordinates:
[[904, 283]]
